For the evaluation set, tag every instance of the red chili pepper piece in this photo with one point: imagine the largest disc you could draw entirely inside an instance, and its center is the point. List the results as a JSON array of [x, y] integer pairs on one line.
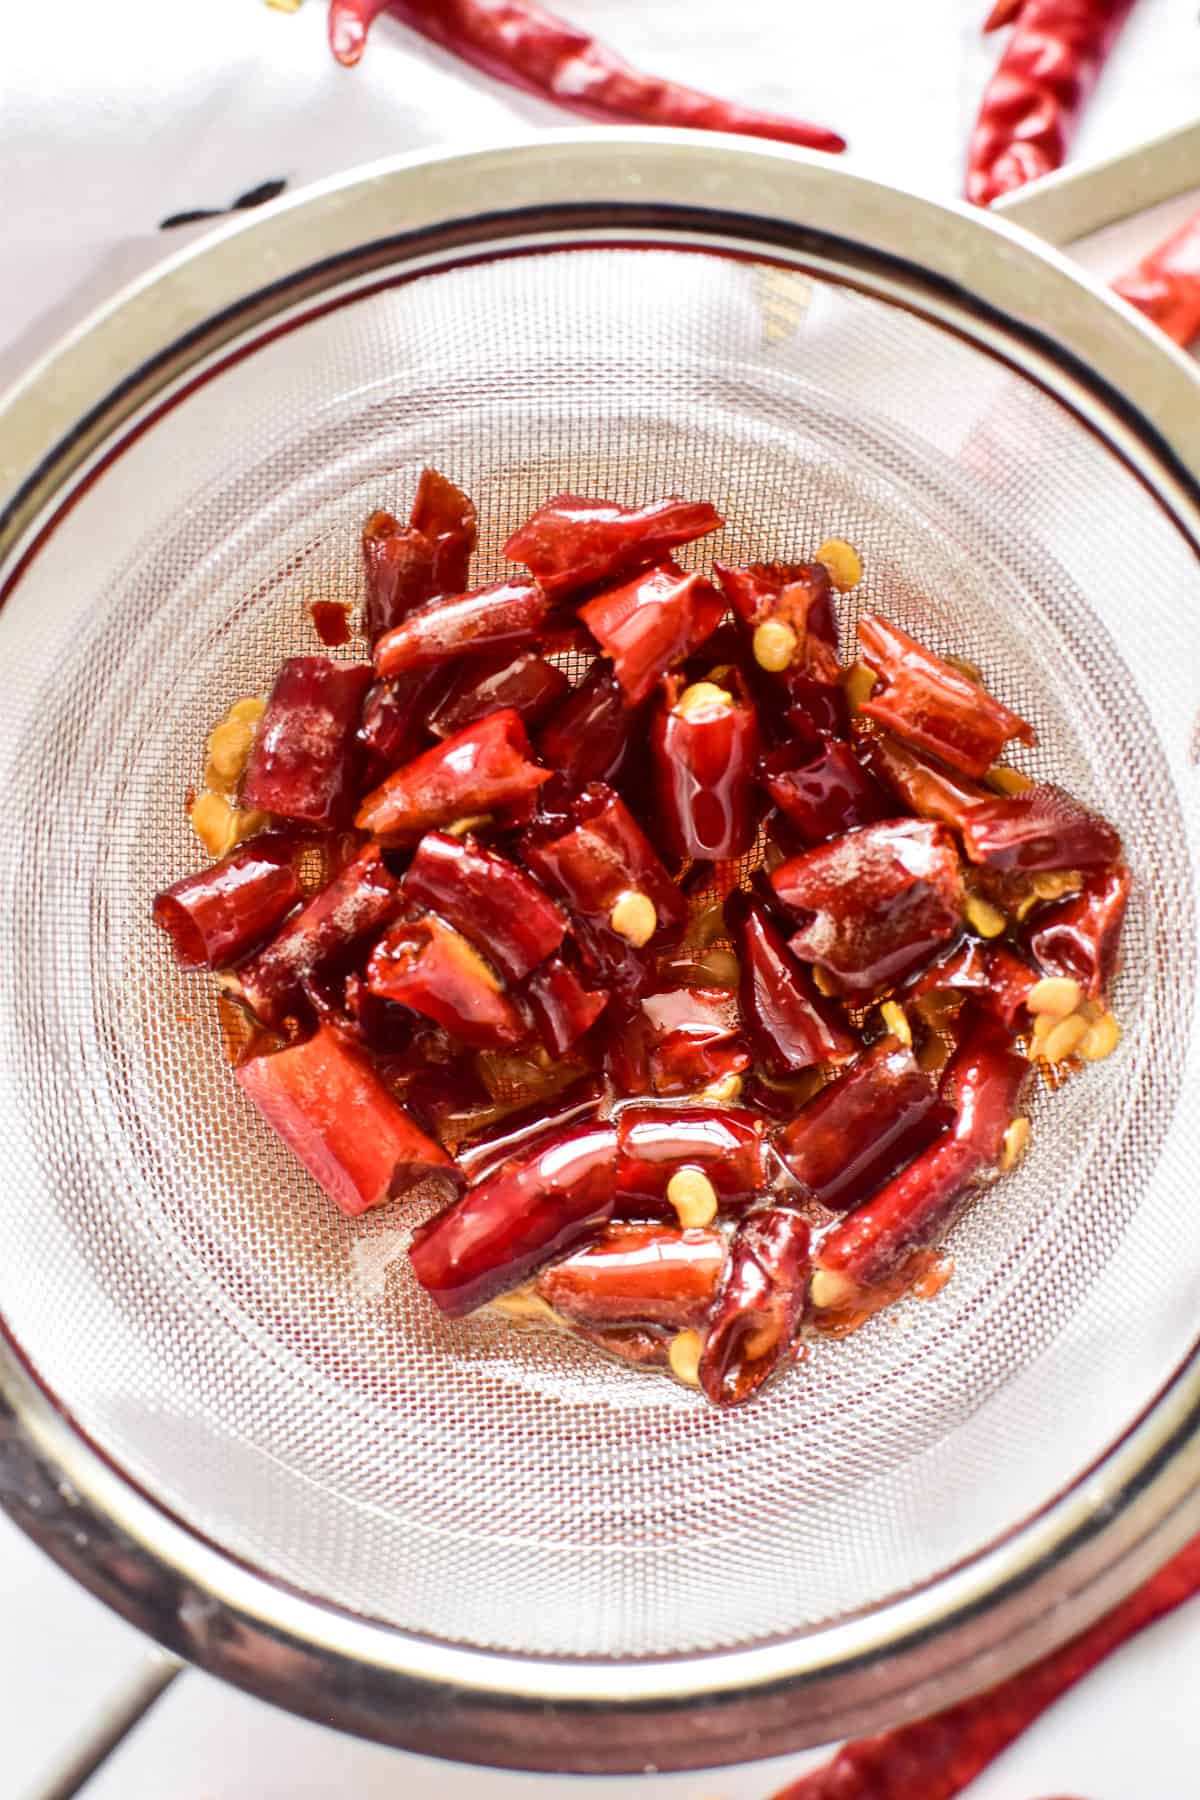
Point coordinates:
[[822, 791], [1165, 285], [503, 615], [704, 742], [218, 915], [488, 899], [933, 705], [1043, 82], [395, 714], [561, 1006], [641, 1346], [925, 786], [937, 1758], [335, 1114], [1082, 936], [516, 42], [653, 1142], [482, 768], [1004, 12], [398, 565], [874, 904], [527, 684], [984, 1080], [1042, 828], [760, 1307], [425, 965], [447, 516], [571, 542], [361, 900], [304, 762], [695, 1038], [588, 737], [791, 1025], [650, 623], [637, 1275], [624, 1042], [999, 981], [796, 594], [489, 1147], [378, 1024], [530, 1211], [600, 859], [331, 622], [852, 1136]]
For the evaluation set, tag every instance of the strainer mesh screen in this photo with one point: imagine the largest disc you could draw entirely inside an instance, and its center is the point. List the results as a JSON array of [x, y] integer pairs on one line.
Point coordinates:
[[268, 1368]]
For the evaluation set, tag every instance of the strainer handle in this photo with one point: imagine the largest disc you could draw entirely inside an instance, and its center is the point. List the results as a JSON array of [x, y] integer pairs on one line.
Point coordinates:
[[1074, 202]]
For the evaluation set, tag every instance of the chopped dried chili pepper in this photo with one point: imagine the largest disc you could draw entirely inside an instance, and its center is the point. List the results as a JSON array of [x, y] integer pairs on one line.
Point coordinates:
[[651, 623], [526, 683], [1165, 285], [572, 543], [637, 1274], [758, 1312], [516, 42], [791, 1025], [704, 744], [427, 966], [218, 915], [500, 908], [504, 615], [929, 703], [481, 768], [304, 763], [1082, 936], [1043, 82]]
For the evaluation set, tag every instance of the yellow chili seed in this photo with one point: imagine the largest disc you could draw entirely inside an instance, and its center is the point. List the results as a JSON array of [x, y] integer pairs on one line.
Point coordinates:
[[214, 822], [702, 697], [983, 917], [1007, 780], [830, 1289], [774, 645], [843, 562], [684, 1357], [858, 684], [693, 1196], [896, 1020], [1101, 1040], [633, 917], [1016, 1142], [1065, 1038], [1057, 995]]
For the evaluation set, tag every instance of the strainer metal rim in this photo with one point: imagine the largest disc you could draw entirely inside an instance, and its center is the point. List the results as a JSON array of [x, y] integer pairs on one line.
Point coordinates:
[[1052, 1574]]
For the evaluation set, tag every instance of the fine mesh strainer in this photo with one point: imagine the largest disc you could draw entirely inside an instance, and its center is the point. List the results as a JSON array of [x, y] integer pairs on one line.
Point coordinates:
[[228, 1409]]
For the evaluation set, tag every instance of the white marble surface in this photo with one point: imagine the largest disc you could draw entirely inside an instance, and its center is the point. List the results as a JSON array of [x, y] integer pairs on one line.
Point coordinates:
[[114, 115]]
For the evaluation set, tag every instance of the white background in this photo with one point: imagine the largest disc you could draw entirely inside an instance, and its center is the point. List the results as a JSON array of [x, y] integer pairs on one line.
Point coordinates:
[[115, 113]]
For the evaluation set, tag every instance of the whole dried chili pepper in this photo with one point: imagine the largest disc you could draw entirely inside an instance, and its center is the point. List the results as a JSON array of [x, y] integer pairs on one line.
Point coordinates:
[[572, 542], [522, 1216], [864, 1126], [504, 615], [304, 763], [361, 900], [758, 1311], [331, 1108], [651, 623], [216, 916], [1044, 79], [1165, 285], [637, 1275], [936, 1758], [481, 768], [704, 743], [500, 908], [791, 1025], [517, 42], [931, 704], [875, 903]]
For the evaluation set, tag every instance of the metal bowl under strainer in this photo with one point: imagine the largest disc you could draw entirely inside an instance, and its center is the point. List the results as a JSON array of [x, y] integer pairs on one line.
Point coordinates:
[[227, 1408]]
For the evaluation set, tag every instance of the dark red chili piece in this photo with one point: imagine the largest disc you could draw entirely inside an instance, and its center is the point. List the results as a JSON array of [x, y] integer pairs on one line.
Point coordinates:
[[799, 595], [572, 543], [504, 615], [923, 785], [525, 1214], [939, 1757], [1165, 285], [683, 1061], [1042, 828], [303, 764], [791, 1025], [604, 866], [822, 791], [983, 1080], [1082, 936], [427, 966], [651, 623], [998, 981], [447, 517], [874, 904], [361, 900], [561, 1006], [488, 899], [480, 769], [588, 737], [759, 1310], [334, 1113], [394, 726], [852, 1136], [725, 1142], [218, 915], [641, 1346], [637, 1275], [623, 1039], [516, 42], [526, 683], [398, 565], [1041, 85], [491, 1146], [929, 703], [704, 743], [331, 622]]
